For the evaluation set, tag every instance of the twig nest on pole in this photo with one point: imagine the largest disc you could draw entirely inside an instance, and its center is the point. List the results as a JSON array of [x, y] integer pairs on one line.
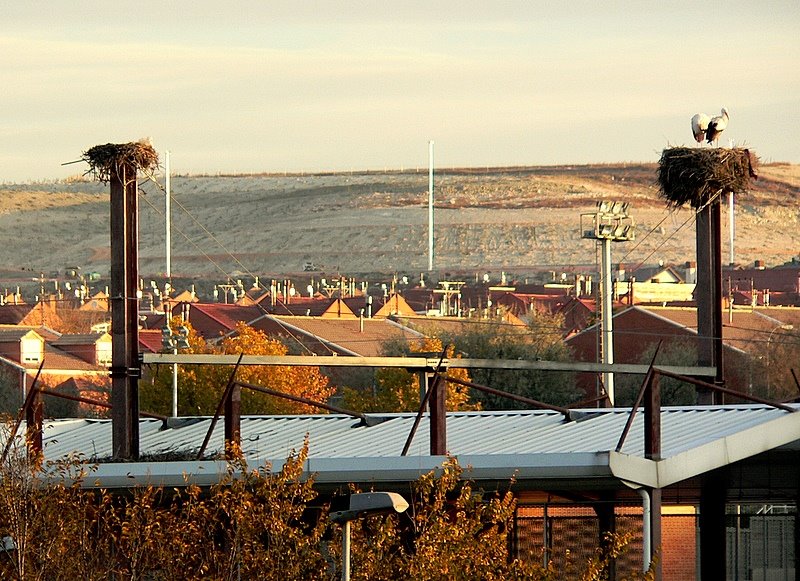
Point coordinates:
[[105, 160], [698, 175]]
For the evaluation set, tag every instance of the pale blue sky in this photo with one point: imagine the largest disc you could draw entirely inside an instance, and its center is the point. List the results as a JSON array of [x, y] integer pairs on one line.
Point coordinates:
[[304, 86]]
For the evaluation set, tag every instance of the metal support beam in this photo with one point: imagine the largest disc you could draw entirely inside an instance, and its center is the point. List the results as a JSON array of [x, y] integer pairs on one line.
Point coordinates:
[[438, 409], [652, 419], [655, 530], [716, 230], [424, 403], [414, 363], [220, 406], [22, 413], [34, 415], [233, 421]]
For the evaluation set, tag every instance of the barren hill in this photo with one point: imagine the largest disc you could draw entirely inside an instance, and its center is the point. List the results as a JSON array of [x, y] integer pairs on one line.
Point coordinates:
[[514, 219]]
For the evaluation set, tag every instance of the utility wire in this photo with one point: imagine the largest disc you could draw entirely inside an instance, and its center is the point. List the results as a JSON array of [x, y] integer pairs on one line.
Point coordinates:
[[152, 178], [222, 270]]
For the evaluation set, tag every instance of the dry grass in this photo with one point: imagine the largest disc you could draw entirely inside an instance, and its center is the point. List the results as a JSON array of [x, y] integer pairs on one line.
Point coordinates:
[[368, 222]]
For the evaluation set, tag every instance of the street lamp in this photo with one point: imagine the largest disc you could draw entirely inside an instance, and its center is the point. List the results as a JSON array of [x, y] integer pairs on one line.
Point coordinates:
[[610, 223], [361, 505], [172, 341]]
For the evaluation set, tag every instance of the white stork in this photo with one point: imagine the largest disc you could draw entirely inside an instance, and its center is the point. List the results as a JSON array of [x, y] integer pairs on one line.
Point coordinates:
[[717, 125], [699, 126]]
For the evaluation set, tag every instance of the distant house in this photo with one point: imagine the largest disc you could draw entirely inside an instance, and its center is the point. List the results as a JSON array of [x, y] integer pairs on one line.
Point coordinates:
[[761, 286], [214, 320], [453, 326], [577, 314], [393, 305], [63, 363], [658, 284], [420, 299], [746, 335], [42, 314], [360, 337], [97, 302], [94, 348], [316, 306]]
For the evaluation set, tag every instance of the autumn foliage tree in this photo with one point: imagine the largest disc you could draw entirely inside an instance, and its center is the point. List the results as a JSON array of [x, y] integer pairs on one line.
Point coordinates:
[[398, 390], [200, 387], [258, 523], [540, 339]]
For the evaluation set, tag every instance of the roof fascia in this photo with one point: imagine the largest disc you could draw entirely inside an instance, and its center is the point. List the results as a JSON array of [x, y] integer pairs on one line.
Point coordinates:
[[733, 448]]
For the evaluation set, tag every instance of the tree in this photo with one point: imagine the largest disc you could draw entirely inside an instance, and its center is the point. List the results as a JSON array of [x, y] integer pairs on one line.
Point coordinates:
[[398, 390], [540, 339], [200, 387], [10, 393], [679, 352], [777, 354]]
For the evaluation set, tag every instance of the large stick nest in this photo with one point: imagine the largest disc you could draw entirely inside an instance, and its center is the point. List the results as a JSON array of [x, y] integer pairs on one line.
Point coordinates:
[[698, 175], [107, 160]]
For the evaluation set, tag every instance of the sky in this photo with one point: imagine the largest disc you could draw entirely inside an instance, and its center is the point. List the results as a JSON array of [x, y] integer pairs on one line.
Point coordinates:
[[234, 87]]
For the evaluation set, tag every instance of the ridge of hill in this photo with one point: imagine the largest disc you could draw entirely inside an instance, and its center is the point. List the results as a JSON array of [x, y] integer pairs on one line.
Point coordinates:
[[516, 219]]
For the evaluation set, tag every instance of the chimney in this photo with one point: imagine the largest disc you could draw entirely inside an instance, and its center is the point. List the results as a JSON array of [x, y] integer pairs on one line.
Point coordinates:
[[690, 272], [759, 265]]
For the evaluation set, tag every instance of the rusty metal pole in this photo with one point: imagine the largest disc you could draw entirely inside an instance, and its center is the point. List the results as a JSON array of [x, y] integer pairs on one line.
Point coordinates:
[[233, 421], [652, 418], [124, 313], [34, 416], [438, 409]]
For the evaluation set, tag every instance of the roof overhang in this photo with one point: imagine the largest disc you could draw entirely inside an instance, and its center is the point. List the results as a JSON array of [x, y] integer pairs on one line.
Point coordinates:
[[565, 470]]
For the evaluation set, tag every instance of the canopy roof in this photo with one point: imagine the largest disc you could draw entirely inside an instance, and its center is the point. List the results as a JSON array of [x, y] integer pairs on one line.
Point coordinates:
[[540, 449]]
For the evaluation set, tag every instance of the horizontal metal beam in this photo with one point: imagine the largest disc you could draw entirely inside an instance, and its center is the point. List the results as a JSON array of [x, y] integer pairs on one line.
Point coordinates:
[[418, 363]]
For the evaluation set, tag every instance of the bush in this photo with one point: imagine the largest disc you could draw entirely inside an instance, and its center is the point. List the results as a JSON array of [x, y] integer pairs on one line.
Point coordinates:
[[255, 524]]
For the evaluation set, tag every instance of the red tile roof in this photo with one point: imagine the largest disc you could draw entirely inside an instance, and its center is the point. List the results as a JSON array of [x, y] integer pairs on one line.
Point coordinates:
[[344, 336], [150, 340], [213, 320]]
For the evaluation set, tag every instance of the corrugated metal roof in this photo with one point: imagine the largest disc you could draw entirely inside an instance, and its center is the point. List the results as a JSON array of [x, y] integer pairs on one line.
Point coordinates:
[[468, 433], [537, 448]]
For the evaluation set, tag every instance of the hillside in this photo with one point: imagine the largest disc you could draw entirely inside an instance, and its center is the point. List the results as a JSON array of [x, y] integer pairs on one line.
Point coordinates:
[[513, 219]]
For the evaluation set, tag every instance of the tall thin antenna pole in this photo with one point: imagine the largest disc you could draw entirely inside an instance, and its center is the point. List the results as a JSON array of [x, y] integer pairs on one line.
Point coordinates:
[[168, 241], [167, 210], [430, 205]]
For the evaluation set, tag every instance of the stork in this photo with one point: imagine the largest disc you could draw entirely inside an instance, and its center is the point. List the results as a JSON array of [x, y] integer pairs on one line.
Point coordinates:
[[699, 126], [716, 126]]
